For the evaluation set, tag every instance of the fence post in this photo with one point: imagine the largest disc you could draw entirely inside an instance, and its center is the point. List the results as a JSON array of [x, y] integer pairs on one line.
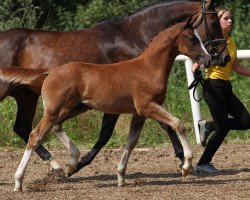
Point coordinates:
[[196, 111]]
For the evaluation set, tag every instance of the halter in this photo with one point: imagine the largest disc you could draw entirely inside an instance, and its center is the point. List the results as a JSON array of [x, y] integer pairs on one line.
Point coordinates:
[[213, 51]]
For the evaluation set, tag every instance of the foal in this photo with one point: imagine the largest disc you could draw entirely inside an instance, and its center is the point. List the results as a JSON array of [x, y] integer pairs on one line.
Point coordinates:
[[137, 86]]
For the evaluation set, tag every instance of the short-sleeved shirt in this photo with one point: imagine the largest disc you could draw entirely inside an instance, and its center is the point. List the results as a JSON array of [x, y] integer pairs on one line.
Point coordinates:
[[224, 73]]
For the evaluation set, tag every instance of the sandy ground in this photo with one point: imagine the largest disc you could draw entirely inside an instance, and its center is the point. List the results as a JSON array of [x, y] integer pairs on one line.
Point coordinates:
[[151, 174]]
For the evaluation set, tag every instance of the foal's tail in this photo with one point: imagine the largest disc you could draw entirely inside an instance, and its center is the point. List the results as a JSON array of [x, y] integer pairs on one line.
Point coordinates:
[[30, 78]]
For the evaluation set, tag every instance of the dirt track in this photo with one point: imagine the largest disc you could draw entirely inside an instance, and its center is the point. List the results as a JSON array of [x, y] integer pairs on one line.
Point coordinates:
[[151, 174]]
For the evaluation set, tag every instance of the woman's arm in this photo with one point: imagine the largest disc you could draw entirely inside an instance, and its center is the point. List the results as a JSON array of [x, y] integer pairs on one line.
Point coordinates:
[[238, 68]]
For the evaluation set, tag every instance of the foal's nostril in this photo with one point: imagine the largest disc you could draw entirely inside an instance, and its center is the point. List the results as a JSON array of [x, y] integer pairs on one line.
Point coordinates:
[[227, 58]]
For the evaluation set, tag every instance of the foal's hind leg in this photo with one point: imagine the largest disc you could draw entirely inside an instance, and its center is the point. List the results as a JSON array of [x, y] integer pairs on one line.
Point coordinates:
[[73, 150], [74, 153], [156, 112], [35, 139], [26, 107], [134, 133]]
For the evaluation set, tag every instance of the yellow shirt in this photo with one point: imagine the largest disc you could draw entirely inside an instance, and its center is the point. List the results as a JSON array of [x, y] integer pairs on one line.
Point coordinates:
[[217, 72]]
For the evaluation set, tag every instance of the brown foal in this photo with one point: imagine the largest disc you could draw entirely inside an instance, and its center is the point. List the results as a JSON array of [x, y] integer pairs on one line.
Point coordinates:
[[137, 86]]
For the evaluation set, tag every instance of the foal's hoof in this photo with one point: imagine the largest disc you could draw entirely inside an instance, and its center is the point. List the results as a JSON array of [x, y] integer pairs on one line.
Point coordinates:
[[71, 170], [56, 173], [18, 190], [184, 172], [121, 183]]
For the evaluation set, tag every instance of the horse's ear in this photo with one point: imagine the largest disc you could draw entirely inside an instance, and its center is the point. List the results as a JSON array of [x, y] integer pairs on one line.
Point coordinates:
[[188, 23], [195, 20], [208, 4]]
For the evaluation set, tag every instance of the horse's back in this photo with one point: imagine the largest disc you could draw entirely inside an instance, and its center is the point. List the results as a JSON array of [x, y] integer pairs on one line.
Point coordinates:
[[47, 49]]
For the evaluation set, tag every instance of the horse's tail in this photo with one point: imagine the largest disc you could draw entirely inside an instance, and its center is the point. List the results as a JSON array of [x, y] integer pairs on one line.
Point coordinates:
[[30, 78]]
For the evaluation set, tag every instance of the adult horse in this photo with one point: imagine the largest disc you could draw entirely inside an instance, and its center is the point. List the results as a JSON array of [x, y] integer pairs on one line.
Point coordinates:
[[138, 87], [106, 42]]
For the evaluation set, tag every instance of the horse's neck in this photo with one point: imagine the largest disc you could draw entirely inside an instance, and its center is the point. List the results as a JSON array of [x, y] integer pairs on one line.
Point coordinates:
[[149, 22]]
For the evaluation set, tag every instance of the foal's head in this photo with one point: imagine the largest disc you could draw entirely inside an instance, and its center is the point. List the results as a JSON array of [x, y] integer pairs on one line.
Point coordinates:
[[189, 45]]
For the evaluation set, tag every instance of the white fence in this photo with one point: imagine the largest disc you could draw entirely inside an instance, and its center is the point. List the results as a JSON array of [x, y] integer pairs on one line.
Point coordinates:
[[196, 111]]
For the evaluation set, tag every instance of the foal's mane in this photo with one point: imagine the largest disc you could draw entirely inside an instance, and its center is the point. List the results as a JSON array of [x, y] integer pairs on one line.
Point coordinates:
[[151, 5], [161, 32]]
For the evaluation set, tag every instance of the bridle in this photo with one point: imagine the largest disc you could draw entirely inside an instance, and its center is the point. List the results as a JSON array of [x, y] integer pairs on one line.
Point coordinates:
[[210, 45]]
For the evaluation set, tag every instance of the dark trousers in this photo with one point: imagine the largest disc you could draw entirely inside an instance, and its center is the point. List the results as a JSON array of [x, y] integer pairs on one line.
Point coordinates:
[[222, 102]]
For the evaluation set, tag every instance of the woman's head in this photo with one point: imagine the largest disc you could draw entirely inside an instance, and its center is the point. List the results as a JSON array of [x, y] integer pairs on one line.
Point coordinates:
[[225, 16]]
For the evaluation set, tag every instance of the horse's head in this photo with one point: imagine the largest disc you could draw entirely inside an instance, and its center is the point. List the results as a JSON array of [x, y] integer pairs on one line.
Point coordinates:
[[207, 24], [189, 44]]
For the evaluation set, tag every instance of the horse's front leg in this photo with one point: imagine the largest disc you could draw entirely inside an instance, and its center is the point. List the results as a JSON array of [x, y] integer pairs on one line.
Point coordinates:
[[134, 133], [26, 109], [178, 149], [74, 153], [156, 112], [108, 125]]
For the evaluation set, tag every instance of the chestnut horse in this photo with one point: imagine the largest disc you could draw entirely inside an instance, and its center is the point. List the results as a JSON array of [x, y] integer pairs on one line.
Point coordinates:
[[137, 86], [106, 42]]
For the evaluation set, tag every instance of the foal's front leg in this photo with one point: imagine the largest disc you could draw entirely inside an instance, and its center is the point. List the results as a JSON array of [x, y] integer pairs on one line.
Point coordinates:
[[178, 149], [156, 112], [108, 125], [134, 133]]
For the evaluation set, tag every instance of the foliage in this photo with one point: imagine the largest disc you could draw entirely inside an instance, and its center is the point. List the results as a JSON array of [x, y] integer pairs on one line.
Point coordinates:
[[78, 14], [18, 13]]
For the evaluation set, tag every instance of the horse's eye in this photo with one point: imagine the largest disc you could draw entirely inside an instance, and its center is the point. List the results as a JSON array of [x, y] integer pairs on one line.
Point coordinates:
[[214, 24]]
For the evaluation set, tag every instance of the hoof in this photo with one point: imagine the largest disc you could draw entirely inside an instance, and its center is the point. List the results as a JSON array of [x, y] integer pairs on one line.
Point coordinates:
[[71, 170], [121, 183], [184, 172], [18, 190], [56, 173]]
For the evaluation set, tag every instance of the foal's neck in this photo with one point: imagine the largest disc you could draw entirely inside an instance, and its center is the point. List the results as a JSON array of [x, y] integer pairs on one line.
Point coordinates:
[[162, 51]]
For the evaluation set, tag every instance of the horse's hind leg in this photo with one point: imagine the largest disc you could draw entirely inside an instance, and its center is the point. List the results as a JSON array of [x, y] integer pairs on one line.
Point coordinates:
[[156, 112], [26, 108], [108, 124], [134, 133]]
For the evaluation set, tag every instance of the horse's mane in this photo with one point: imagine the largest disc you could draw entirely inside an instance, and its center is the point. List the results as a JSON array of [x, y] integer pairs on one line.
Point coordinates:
[[142, 9]]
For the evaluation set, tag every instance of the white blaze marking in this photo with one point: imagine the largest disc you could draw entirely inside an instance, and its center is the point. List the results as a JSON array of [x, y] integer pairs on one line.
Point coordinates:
[[199, 38]]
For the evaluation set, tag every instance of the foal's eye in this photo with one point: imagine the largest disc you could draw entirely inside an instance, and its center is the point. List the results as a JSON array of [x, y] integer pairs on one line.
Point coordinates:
[[194, 40]]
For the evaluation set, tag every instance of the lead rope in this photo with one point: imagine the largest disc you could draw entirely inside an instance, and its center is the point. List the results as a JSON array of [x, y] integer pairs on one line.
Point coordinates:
[[198, 78]]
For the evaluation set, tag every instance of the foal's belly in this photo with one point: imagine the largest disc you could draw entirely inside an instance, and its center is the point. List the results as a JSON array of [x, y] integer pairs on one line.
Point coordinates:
[[120, 105]]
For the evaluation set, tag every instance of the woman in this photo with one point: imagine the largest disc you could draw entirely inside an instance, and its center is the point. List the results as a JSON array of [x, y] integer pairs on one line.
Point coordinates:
[[221, 100]]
